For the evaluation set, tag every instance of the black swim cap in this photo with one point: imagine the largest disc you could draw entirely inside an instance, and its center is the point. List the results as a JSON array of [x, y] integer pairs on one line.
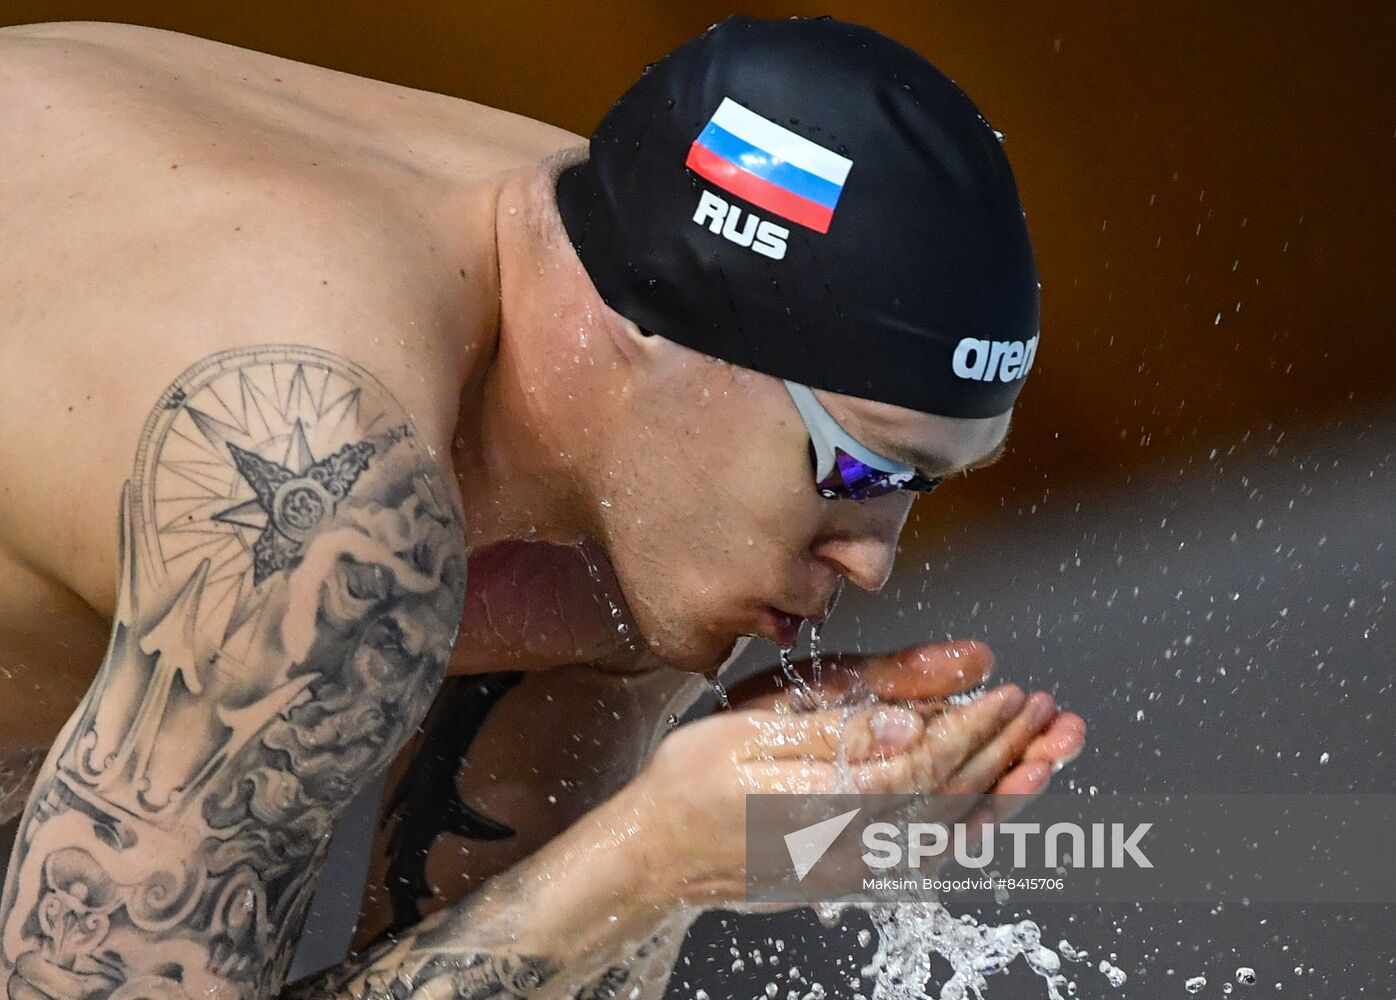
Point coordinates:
[[810, 199]]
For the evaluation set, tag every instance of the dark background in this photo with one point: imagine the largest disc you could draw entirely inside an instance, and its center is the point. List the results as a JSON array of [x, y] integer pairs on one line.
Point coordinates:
[[1194, 519], [1174, 160]]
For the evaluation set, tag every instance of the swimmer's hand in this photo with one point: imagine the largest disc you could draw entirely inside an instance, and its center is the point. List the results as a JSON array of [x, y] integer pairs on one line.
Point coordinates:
[[688, 804], [923, 675], [928, 670]]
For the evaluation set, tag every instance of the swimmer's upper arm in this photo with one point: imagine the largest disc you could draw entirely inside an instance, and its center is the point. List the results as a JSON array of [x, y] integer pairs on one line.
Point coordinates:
[[293, 566]]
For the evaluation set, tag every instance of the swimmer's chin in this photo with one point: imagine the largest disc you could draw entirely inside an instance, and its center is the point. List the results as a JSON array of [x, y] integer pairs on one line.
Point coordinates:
[[705, 659]]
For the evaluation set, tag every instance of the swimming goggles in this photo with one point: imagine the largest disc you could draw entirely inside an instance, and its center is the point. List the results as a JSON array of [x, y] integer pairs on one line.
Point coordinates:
[[844, 468]]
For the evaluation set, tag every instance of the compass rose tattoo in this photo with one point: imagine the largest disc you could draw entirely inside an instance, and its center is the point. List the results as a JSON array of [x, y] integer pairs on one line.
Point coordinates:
[[293, 501]]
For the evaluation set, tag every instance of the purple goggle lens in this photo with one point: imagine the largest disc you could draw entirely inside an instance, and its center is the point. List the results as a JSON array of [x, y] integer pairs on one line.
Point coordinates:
[[851, 479]]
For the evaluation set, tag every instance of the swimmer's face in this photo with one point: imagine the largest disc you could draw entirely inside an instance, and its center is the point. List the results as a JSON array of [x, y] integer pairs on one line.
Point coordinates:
[[712, 519], [694, 475]]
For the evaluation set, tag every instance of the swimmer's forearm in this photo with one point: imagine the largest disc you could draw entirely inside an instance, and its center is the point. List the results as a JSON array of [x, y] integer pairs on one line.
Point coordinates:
[[644, 973], [568, 921], [408, 966]]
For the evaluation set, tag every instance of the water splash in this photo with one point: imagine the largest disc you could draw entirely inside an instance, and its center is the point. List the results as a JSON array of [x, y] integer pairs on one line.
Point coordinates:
[[1113, 974], [910, 935]]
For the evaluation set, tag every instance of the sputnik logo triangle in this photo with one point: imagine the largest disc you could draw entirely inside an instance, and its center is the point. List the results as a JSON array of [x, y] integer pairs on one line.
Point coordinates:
[[808, 844]]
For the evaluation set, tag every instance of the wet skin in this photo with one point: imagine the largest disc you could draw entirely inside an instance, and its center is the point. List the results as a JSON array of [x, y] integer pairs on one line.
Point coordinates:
[[261, 205]]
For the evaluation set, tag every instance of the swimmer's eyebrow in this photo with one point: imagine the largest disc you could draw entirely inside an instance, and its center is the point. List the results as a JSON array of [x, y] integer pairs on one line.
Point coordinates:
[[927, 464]]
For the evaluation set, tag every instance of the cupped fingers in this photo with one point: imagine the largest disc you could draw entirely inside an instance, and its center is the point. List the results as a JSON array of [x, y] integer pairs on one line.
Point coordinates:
[[1026, 779], [1061, 742], [928, 670], [830, 734], [982, 769], [931, 670], [951, 736], [958, 732]]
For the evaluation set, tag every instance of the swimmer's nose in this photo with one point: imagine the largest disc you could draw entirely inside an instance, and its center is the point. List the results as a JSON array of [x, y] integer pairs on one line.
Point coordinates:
[[865, 561], [860, 543]]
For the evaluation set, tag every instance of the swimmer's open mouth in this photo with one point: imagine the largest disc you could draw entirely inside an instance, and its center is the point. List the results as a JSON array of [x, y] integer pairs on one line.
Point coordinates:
[[782, 627]]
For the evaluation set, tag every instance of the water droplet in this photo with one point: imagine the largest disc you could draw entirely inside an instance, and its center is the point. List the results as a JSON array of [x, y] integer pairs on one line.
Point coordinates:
[[1113, 974]]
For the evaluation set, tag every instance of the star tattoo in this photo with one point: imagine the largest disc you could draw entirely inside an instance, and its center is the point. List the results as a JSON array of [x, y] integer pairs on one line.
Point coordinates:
[[292, 500]]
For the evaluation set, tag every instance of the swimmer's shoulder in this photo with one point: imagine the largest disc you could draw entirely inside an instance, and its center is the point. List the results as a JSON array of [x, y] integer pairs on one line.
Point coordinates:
[[111, 63], [158, 233]]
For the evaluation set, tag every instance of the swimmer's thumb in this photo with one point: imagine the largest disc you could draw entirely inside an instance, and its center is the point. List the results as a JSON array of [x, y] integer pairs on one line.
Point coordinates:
[[894, 729]]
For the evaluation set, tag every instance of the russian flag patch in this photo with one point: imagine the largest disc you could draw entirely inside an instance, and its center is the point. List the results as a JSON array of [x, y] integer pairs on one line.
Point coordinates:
[[770, 166]]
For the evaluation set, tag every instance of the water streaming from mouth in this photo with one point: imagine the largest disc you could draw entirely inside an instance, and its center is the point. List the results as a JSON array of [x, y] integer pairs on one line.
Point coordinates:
[[809, 699], [816, 660]]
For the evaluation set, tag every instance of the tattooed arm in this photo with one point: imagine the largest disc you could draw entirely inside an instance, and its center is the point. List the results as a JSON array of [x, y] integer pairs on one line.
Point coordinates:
[[292, 576], [580, 918], [503, 763]]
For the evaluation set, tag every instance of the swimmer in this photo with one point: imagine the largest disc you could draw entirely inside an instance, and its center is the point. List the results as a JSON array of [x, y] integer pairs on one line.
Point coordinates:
[[319, 390]]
